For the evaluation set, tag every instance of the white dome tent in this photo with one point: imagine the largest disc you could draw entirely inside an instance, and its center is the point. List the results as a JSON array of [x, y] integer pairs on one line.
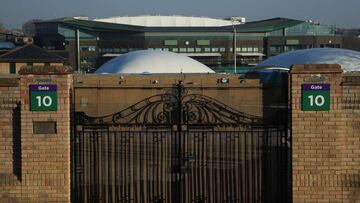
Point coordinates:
[[151, 61], [348, 59]]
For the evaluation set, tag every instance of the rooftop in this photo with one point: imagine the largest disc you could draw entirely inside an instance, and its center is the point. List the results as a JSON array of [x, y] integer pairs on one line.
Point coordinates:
[[175, 23], [170, 21], [30, 53]]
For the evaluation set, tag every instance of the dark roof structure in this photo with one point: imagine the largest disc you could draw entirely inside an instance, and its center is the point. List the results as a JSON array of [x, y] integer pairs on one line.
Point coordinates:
[[93, 25], [268, 25], [31, 54]]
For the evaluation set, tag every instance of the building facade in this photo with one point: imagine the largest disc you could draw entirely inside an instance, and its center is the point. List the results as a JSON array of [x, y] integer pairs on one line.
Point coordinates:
[[210, 41]]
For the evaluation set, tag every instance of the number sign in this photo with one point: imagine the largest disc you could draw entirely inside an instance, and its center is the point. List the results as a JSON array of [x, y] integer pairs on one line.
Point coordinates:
[[316, 97], [43, 97]]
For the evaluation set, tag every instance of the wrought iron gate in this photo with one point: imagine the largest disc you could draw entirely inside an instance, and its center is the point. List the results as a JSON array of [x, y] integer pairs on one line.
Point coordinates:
[[179, 147]]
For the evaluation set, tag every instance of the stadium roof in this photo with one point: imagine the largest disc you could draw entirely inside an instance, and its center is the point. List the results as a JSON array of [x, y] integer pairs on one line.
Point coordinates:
[[255, 26], [170, 21]]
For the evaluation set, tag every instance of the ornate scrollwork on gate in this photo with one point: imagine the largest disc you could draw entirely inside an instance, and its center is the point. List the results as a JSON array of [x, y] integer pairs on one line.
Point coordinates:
[[152, 110], [175, 107], [201, 109]]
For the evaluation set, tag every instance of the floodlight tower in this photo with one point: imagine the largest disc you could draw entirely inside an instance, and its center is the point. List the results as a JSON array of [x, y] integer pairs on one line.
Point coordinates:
[[235, 21]]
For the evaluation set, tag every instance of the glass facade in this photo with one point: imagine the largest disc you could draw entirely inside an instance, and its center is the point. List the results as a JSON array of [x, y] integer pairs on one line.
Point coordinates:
[[307, 29], [69, 33]]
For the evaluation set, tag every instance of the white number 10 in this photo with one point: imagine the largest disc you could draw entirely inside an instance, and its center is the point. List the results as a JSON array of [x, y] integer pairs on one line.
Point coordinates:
[[319, 100], [45, 101]]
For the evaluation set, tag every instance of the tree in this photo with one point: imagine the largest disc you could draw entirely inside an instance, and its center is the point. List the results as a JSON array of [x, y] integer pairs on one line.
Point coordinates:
[[1, 26]]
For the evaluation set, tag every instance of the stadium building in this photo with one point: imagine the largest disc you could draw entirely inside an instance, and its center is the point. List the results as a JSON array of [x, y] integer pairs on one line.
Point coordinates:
[[89, 43]]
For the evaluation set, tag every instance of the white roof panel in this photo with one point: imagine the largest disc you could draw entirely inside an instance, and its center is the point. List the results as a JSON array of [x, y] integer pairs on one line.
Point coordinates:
[[169, 21]]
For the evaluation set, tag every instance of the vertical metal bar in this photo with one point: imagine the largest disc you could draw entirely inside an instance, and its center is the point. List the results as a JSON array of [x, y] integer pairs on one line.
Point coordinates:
[[253, 165], [268, 164], [112, 176], [136, 166], [116, 174], [130, 163], [162, 165], [211, 162], [170, 165], [226, 165], [217, 170], [77, 35], [157, 151], [138, 160], [241, 163], [141, 167], [146, 170], [96, 167], [198, 166], [91, 166], [153, 166], [84, 184], [279, 164], [167, 173], [108, 171], [221, 169], [236, 166], [117, 166], [122, 167], [258, 166], [87, 167], [204, 165], [233, 166], [247, 185], [99, 167], [263, 164]]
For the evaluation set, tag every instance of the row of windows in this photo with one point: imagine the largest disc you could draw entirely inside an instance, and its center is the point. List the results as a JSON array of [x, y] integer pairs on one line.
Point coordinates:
[[202, 42], [117, 50], [329, 45], [88, 48], [246, 49], [183, 49], [277, 49]]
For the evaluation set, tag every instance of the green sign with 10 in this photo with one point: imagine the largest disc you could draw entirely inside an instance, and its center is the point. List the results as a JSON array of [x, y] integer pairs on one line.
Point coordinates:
[[43, 97], [315, 97]]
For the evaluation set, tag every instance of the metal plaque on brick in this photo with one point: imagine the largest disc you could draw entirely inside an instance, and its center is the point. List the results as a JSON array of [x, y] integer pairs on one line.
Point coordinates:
[[315, 97], [43, 97], [44, 127]]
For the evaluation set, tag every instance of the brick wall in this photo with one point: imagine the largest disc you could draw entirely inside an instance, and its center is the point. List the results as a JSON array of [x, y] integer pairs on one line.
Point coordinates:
[[42, 169], [325, 144], [9, 116]]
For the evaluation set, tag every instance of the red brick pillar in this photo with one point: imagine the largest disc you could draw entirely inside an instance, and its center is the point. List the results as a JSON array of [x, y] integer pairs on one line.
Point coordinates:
[[323, 166], [45, 139]]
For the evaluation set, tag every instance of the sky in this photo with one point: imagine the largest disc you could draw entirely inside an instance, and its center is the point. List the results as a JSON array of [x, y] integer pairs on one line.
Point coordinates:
[[342, 13]]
